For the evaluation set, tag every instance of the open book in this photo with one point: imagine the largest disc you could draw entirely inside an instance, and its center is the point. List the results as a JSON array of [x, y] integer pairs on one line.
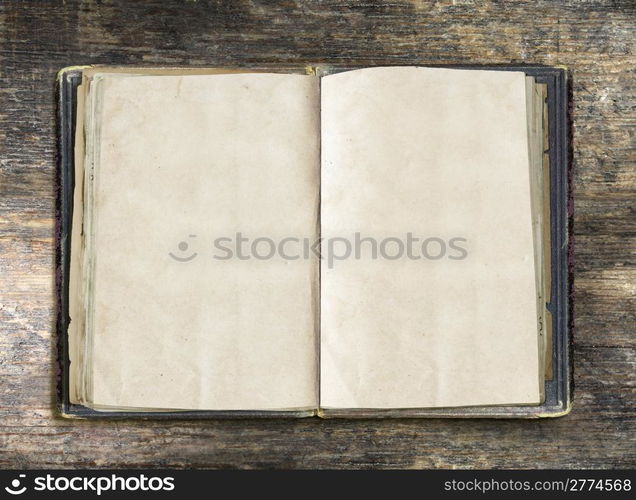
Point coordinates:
[[367, 239]]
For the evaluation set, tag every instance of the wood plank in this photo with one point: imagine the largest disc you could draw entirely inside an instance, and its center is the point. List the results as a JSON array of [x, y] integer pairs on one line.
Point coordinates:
[[595, 39]]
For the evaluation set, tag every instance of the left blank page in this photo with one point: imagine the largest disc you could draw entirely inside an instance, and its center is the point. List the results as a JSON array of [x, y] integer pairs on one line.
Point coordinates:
[[179, 162]]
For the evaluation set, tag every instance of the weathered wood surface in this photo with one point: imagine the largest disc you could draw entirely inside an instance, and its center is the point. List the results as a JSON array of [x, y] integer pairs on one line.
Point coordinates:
[[595, 39]]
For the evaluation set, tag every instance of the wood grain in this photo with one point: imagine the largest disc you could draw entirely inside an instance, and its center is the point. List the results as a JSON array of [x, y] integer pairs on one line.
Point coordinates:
[[595, 39]]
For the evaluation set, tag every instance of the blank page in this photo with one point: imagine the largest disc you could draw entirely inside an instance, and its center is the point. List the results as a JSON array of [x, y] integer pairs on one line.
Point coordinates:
[[181, 162], [441, 155]]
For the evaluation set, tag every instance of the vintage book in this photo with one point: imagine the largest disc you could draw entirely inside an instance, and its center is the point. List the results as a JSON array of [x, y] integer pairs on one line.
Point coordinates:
[[387, 241]]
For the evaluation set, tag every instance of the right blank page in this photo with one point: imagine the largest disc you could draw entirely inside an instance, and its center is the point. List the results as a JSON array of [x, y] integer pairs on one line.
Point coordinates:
[[428, 294]]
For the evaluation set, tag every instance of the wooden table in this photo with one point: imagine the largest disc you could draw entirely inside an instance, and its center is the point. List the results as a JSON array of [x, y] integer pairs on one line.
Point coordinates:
[[596, 39]]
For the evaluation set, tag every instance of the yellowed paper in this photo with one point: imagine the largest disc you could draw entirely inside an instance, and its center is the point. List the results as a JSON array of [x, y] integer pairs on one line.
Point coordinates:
[[77, 290], [181, 161], [440, 154]]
